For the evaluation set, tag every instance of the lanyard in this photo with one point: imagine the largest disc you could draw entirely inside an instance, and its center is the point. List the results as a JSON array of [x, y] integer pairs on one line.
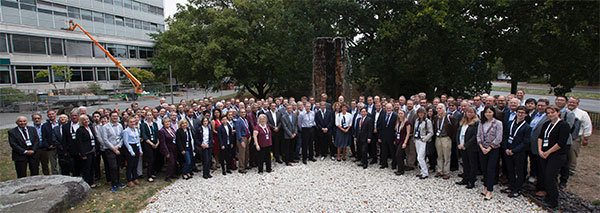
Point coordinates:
[[265, 129], [549, 129], [440, 125], [26, 135], [517, 130]]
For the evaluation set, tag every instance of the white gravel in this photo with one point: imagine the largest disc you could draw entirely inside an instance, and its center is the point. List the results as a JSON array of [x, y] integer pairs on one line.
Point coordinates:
[[328, 186]]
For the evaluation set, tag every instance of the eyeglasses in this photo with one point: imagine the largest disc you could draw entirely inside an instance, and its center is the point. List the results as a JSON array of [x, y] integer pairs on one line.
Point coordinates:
[[521, 112]]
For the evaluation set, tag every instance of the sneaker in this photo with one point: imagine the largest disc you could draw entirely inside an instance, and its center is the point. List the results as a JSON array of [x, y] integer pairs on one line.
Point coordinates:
[[114, 189], [120, 185], [322, 158], [332, 158], [531, 179]]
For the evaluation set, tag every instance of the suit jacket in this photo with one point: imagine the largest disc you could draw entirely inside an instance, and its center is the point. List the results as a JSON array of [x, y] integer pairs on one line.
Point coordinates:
[[288, 127], [520, 142], [181, 140], [449, 123], [47, 135], [365, 132], [387, 130], [224, 135], [147, 134], [470, 138], [252, 119], [84, 141], [412, 117], [68, 143], [197, 123], [506, 118], [458, 115], [271, 122], [535, 132], [18, 144], [210, 137], [57, 138], [324, 122]]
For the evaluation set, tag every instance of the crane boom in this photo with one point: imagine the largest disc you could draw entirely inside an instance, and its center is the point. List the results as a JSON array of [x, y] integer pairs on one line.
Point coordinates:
[[134, 81]]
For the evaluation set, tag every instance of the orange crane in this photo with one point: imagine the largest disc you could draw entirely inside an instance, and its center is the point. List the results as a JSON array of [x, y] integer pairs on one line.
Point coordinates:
[[134, 81]]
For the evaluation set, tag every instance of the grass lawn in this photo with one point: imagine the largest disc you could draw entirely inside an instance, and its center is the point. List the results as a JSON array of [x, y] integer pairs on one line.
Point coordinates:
[[584, 95], [100, 199]]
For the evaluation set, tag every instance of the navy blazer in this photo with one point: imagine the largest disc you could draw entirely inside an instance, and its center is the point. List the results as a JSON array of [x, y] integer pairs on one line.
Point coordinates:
[[223, 136], [18, 145], [520, 142], [84, 141], [470, 137], [326, 122], [210, 137], [47, 135], [57, 138], [386, 133], [67, 141]]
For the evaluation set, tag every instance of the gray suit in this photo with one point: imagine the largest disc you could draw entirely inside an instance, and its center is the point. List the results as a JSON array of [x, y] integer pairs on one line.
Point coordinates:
[[535, 132], [289, 128], [569, 117]]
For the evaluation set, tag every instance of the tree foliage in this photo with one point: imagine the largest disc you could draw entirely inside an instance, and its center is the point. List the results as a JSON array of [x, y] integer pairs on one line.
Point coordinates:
[[60, 71], [396, 47], [142, 75]]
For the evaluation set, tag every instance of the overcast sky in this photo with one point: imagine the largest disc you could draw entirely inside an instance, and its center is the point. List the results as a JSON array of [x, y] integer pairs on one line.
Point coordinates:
[[171, 6]]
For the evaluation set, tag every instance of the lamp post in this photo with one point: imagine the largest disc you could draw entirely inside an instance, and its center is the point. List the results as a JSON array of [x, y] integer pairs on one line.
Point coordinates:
[[171, 82]]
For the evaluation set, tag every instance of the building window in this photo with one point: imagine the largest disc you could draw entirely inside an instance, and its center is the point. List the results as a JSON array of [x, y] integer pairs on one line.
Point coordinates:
[[98, 17], [138, 24], [109, 19], [132, 51], [76, 73], [73, 12], [4, 74], [24, 74], [117, 50], [36, 70], [145, 8], [98, 53], [127, 4], [56, 46], [118, 3], [28, 5], [3, 48], [29, 44], [146, 25], [136, 5], [114, 73], [86, 15], [87, 73], [153, 27], [101, 73], [129, 22], [79, 48], [119, 20], [108, 1], [146, 52]]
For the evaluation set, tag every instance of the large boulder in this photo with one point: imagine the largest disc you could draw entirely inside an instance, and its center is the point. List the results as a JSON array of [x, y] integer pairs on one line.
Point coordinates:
[[55, 193]]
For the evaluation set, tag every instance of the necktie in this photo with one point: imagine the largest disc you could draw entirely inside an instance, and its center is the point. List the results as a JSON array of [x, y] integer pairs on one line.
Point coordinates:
[[361, 122], [387, 120], [25, 133]]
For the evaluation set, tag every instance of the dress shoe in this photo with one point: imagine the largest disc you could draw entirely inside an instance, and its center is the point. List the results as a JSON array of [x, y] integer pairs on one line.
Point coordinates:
[[460, 175], [242, 171], [461, 183], [229, 171], [438, 174], [470, 186], [323, 158], [360, 164], [398, 173], [304, 161], [373, 162], [224, 173], [408, 168], [279, 161], [269, 171], [393, 167], [288, 164], [423, 177], [383, 167], [312, 159], [514, 194], [136, 182], [445, 177], [205, 177], [540, 194], [294, 161], [506, 190]]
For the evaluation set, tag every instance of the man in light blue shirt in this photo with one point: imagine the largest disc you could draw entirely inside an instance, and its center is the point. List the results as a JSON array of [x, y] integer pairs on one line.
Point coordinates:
[[306, 120]]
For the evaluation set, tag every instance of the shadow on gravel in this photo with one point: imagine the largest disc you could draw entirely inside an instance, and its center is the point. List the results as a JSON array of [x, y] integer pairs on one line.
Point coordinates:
[[567, 201]]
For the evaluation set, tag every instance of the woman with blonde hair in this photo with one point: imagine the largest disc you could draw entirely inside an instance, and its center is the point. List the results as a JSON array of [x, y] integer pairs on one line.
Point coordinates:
[[262, 138], [185, 141], [467, 145], [403, 127]]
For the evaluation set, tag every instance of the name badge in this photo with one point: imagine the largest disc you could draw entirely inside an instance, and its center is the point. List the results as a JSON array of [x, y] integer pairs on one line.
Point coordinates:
[[398, 136], [418, 135], [151, 137], [545, 143], [267, 136], [73, 136], [28, 143], [437, 133], [510, 140], [462, 137], [93, 142]]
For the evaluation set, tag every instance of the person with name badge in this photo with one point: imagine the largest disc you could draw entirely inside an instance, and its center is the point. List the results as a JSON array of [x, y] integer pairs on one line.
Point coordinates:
[[515, 142], [87, 146], [24, 142]]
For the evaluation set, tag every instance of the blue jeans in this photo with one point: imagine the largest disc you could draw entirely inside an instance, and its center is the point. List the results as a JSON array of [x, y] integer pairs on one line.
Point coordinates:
[[187, 167]]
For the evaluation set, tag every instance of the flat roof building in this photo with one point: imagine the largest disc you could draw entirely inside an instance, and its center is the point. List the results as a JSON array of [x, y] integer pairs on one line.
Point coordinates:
[[32, 39]]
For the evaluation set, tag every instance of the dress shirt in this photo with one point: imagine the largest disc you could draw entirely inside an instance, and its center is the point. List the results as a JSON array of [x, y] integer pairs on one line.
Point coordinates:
[[306, 119], [586, 122], [131, 137]]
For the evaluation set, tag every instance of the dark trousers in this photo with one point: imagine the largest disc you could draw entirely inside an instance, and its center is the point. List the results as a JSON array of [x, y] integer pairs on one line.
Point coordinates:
[[308, 136], [96, 165], [77, 164], [106, 166], [206, 161], [111, 166], [225, 157], [488, 167], [253, 153], [470, 159], [87, 171], [516, 173], [132, 163], [564, 170], [277, 141], [541, 182], [373, 147], [388, 149], [159, 160], [323, 142], [533, 165], [287, 150], [66, 164], [171, 162], [264, 157], [32, 161], [400, 154], [454, 154], [149, 158], [550, 168], [364, 150]]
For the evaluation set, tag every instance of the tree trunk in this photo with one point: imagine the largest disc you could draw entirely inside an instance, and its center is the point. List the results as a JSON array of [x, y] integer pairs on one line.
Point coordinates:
[[513, 85]]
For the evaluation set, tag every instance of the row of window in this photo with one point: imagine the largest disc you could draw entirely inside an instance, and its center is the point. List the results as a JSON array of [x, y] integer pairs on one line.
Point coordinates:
[[13, 43], [27, 74], [47, 8], [135, 5]]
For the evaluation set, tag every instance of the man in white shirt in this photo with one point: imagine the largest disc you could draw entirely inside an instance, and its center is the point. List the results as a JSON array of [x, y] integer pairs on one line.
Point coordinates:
[[585, 131]]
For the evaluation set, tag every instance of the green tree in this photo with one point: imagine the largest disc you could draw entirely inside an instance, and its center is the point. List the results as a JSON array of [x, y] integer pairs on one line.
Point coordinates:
[[59, 70], [142, 75]]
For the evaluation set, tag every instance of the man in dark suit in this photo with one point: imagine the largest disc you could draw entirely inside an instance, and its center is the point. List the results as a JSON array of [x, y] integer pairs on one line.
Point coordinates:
[[324, 120], [48, 145], [377, 114], [226, 139], [386, 136], [195, 125], [274, 122], [24, 142], [67, 149], [289, 127], [362, 136], [356, 117]]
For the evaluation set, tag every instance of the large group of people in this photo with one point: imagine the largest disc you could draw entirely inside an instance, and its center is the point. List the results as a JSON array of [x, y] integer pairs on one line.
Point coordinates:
[[506, 139]]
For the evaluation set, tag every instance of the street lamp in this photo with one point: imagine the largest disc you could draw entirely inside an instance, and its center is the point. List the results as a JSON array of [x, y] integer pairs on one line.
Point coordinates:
[[171, 82]]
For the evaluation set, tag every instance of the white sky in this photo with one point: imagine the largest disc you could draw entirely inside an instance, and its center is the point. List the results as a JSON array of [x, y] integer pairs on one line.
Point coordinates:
[[171, 6]]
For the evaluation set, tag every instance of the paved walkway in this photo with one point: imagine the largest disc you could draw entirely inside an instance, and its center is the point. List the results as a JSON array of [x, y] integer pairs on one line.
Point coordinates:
[[585, 104], [541, 87]]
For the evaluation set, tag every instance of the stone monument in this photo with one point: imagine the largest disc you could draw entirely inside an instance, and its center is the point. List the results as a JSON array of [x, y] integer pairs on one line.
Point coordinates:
[[330, 68]]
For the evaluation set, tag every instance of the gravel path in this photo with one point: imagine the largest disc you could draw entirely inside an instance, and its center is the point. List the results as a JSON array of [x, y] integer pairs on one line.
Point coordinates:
[[328, 186]]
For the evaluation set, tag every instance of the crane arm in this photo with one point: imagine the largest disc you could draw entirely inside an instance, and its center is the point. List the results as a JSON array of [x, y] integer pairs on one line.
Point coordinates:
[[134, 81]]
